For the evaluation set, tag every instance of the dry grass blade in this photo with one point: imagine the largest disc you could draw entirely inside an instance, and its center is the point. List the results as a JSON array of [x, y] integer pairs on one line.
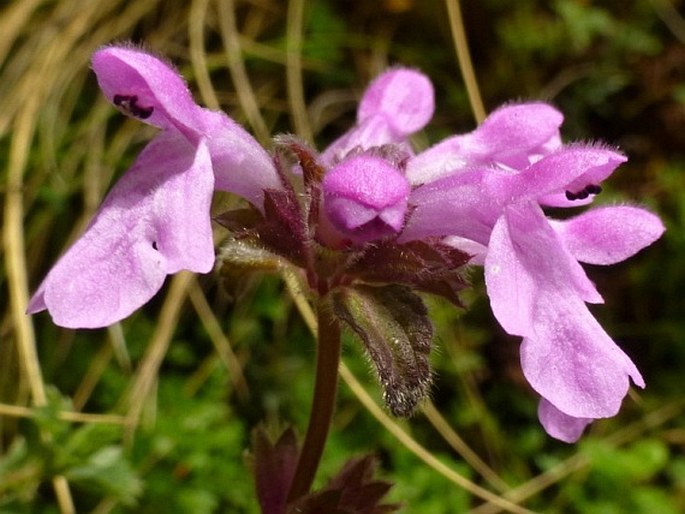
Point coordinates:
[[459, 445], [139, 391], [298, 107], [580, 461], [222, 345], [14, 246], [74, 417], [243, 88], [464, 58], [14, 18], [422, 453], [26, 100], [198, 54]]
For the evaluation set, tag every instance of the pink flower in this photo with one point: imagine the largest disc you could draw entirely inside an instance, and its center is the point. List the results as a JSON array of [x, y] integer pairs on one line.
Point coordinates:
[[155, 220], [365, 198], [484, 191], [395, 105], [365, 188]]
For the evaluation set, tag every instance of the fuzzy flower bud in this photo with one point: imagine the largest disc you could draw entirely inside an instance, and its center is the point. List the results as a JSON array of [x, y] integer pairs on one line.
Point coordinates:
[[365, 198]]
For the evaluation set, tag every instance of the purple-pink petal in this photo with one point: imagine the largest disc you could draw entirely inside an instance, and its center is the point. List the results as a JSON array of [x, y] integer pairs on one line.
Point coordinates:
[[403, 96], [559, 425], [127, 72], [154, 222], [515, 134], [365, 197], [537, 291], [571, 361], [475, 250], [571, 168], [395, 105], [241, 165], [607, 235], [525, 260], [465, 205], [512, 137]]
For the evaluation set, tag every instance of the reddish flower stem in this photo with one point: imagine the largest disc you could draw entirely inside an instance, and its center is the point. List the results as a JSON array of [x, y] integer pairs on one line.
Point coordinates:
[[323, 402]]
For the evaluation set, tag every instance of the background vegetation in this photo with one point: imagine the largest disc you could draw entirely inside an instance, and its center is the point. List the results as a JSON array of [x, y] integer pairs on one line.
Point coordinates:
[[154, 415]]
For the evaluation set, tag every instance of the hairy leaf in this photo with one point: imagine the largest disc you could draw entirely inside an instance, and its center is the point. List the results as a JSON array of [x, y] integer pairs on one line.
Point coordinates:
[[429, 266], [393, 324]]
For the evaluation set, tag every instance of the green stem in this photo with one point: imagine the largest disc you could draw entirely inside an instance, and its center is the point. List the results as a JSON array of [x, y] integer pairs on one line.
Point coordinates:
[[323, 402]]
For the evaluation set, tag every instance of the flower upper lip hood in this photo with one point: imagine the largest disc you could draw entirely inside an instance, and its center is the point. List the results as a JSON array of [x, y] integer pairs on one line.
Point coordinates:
[[511, 137], [240, 164], [155, 220]]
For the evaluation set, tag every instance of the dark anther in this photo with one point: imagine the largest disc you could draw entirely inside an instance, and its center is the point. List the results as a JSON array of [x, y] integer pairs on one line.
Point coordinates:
[[129, 105], [144, 112], [154, 245], [594, 189]]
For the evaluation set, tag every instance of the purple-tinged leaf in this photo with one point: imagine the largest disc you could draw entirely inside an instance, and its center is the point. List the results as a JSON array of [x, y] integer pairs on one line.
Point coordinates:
[[429, 266], [394, 327], [354, 490], [240, 221], [284, 231], [274, 469], [241, 254]]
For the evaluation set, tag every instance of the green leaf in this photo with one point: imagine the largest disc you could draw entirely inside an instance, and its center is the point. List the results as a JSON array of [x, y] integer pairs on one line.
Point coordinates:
[[393, 324], [108, 472]]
